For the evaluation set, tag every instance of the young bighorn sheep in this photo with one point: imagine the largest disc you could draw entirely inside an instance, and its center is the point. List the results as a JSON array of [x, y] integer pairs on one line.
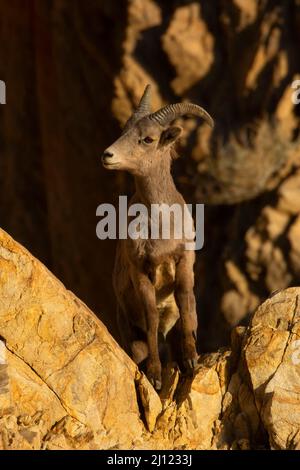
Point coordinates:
[[153, 278]]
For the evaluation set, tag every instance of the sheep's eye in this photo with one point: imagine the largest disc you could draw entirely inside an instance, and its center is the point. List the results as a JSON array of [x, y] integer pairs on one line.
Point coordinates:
[[148, 140]]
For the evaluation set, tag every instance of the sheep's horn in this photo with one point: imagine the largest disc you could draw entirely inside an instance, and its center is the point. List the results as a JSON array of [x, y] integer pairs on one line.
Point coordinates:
[[172, 111], [142, 110]]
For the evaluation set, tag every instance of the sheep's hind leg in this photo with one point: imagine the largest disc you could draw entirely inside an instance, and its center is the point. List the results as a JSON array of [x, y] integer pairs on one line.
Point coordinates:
[[185, 299], [139, 351], [146, 293]]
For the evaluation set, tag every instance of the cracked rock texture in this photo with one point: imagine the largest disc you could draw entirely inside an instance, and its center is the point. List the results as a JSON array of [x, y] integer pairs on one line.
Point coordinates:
[[66, 384]]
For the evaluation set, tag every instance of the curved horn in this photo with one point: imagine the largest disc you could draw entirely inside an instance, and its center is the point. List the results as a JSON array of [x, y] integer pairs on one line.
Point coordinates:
[[142, 110], [172, 111]]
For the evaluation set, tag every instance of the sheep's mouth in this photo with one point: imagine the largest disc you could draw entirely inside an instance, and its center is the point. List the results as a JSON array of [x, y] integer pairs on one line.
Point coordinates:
[[109, 165]]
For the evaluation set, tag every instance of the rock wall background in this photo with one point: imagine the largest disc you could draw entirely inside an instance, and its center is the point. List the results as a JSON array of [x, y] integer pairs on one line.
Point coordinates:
[[75, 70]]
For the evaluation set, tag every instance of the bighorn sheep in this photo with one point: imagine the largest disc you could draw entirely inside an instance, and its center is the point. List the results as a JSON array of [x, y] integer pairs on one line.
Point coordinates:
[[153, 279]]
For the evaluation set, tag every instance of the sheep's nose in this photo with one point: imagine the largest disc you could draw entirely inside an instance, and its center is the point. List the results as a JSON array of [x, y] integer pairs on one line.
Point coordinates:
[[107, 154]]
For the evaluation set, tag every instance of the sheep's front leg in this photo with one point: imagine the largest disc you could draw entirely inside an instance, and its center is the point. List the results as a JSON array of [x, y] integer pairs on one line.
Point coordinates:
[[185, 299], [146, 293]]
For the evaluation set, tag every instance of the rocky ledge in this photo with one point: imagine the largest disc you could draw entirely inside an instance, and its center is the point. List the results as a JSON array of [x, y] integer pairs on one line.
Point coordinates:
[[66, 384]]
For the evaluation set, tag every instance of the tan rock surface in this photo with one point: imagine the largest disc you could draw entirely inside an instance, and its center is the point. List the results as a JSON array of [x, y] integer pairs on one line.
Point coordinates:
[[66, 384], [272, 350], [189, 46], [61, 363]]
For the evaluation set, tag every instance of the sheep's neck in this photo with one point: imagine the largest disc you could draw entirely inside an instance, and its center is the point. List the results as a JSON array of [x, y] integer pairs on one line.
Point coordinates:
[[158, 186]]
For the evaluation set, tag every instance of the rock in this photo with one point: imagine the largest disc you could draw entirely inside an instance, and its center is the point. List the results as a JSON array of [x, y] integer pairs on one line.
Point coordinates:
[[289, 195], [237, 302], [284, 112], [272, 359], [189, 46], [247, 11], [277, 273], [275, 221], [66, 384], [150, 400], [267, 50], [294, 237], [234, 307], [264, 255], [199, 406], [60, 364]]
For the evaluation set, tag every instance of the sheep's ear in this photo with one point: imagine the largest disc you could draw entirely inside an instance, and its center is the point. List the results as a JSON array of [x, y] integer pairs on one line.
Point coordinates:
[[170, 135]]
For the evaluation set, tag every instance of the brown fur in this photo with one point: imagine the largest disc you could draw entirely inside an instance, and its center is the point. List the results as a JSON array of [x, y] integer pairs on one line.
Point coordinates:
[[153, 279]]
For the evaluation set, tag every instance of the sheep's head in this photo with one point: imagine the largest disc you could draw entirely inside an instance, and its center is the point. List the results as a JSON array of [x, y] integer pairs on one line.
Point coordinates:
[[146, 136]]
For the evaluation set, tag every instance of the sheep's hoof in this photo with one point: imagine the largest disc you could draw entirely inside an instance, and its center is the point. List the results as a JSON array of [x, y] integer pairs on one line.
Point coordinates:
[[191, 363], [156, 384]]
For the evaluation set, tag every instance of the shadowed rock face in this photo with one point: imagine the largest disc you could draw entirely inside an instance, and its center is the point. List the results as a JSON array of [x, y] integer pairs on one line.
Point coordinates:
[[66, 384], [54, 127], [74, 72]]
